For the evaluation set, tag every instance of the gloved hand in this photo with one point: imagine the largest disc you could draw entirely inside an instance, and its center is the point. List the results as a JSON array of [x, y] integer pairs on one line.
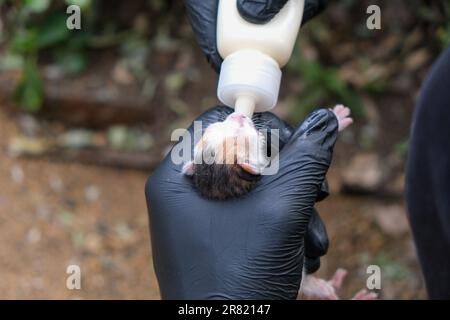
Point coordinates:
[[203, 17], [316, 238], [246, 248]]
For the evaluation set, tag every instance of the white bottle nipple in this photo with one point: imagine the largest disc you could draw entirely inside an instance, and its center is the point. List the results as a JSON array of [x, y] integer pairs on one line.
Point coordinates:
[[249, 81]]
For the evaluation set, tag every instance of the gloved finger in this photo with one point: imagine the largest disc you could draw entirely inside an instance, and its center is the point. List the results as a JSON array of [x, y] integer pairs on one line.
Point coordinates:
[[316, 238], [311, 265], [310, 145], [262, 11], [321, 126], [285, 135], [203, 17], [316, 242], [323, 191], [303, 163]]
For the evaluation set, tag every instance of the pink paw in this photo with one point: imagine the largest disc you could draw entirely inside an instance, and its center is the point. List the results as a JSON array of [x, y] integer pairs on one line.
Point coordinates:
[[363, 294], [342, 113], [319, 289]]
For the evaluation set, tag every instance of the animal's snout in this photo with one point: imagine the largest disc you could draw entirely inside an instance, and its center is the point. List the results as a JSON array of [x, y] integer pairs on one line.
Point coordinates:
[[238, 117]]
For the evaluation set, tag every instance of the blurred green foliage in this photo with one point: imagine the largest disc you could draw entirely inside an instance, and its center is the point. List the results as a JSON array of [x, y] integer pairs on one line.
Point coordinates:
[[401, 148], [444, 30], [36, 34], [392, 269], [40, 25], [319, 84], [337, 59], [29, 91]]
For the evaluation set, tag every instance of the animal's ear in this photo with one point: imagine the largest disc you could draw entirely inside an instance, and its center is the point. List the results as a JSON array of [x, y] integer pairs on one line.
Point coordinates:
[[188, 168], [250, 168]]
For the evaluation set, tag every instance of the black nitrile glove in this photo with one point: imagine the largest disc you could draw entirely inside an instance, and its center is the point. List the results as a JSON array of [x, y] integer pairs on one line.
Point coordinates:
[[316, 238], [246, 248], [203, 17], [316, 242]]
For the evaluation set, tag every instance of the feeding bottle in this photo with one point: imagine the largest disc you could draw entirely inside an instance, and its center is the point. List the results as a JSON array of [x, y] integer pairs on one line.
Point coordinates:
[[253, 55]]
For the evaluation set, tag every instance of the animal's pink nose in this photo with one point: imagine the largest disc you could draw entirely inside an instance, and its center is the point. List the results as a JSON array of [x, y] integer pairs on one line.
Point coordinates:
[[239, 117]]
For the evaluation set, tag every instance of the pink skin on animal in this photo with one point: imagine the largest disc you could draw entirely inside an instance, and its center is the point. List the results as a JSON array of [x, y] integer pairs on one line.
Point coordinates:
[[342, 113], [236, 124], [319, 289]]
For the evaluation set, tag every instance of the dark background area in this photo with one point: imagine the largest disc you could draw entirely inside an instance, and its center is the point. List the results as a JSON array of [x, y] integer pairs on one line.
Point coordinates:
[[85, 116]]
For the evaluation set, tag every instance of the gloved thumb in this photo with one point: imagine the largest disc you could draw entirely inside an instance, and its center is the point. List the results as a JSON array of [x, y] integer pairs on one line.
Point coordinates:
[[259, 11]]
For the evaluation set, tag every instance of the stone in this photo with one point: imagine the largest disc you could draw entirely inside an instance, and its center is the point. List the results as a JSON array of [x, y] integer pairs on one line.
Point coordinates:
[[391, 219], [364, 174]]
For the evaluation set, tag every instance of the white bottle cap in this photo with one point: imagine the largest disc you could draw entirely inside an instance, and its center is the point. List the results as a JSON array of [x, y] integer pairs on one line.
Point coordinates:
[[249, 73]]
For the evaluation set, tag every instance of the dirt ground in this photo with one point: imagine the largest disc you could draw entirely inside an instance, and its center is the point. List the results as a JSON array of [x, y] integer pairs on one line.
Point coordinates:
[[53, 215], [356, 242]]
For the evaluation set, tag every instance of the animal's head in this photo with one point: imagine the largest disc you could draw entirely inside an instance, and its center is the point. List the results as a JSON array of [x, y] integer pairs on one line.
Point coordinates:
[[233, 142]]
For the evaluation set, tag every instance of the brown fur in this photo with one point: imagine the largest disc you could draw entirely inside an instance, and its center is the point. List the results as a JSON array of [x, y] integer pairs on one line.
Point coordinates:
[[225, 178], [222, 181], [229, 158]]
